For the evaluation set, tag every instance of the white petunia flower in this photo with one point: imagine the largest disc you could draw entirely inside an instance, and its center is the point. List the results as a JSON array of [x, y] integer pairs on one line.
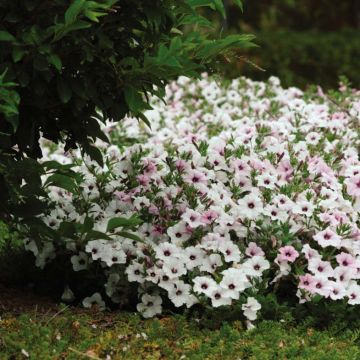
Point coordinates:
[[219, 297], [80, 262], [174, 268], [250, 308], [250, 206], [94, 300], [150, 305]]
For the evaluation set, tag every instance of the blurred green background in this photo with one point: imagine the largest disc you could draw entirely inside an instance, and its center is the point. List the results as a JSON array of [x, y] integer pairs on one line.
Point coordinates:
[[302, 42]]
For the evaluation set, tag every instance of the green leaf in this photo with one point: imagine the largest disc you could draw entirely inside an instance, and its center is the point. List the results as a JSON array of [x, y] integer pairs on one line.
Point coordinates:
[[6, 36], [219, 5], [212, 48], [134, 99], [5, 140], [94, 15], [29, 208], [64, 90], [196, 19], [131, 236], [199, 3], [62, 181], [28, 169], [239, 4], [94, 130], [56, 61], [95, 235], [18, 53], [94, 153], [54, 165], [73, 11], [88, 224], [61, 30], [316, 298], [123, 222], [144, 119], [67, 229]]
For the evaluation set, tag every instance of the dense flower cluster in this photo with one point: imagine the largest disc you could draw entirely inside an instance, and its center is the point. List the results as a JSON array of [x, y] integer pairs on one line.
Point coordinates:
[[236, 187]]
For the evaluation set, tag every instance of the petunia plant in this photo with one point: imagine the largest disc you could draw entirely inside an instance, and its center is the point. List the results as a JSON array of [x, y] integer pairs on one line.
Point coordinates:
[[239, 190]]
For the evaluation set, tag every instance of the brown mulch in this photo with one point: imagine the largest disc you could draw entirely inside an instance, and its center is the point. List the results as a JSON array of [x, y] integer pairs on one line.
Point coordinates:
[[18, 301], [15, 302]]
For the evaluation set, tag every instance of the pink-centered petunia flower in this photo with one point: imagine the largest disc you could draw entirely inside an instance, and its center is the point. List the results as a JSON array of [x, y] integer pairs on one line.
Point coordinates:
[[195, 177], [254, 250], [307, 282], [322, 286], [328, 238], [143, 180], [353, 185], [180, 165], [346, 260], [285, 169], [320, 268], [250, 206], [209, 216], [288, 253]]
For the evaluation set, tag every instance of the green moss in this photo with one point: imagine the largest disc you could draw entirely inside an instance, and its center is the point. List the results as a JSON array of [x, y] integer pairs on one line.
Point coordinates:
[[73, 335]]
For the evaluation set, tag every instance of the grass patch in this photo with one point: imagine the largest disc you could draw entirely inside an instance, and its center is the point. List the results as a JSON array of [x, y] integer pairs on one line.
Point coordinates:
[[74, 334]]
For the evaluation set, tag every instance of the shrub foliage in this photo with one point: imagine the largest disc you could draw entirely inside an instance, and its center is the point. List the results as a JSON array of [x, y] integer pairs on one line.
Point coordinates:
[[303, 58], [63, 66]]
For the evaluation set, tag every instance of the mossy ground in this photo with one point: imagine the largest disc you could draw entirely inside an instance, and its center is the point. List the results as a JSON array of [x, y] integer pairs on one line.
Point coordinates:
[[75, 334]]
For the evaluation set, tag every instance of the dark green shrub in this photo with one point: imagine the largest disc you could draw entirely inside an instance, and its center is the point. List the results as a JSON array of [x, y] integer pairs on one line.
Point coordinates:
[[62, 63]]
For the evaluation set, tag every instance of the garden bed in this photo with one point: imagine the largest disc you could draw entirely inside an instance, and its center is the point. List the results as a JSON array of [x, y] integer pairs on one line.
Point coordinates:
[[243, 195], [94, 335]]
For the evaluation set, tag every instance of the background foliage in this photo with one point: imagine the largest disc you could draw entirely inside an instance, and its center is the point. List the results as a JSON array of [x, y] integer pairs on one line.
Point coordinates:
[[304, 58], [302, 42]]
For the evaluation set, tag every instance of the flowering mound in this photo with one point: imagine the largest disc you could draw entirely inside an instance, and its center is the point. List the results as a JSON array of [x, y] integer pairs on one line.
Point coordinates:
[[236, 188]]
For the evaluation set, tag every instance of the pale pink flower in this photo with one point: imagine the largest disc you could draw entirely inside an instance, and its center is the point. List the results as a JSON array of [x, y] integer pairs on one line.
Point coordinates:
[[337, 291], [230, 251], [180, 164], [149, 167], [143, 180], [192, 218], [353, 293], [254, 250], [322, 286], [346, 260], [240, 166], [309, 252], [307, 282], [353, 185], [344, 274], [209, 217], [195, 177], [285, 169], [267, 181], [303, 207], [204, 285], [320, 268], [318, 165], [288, 253], [328, 237]]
